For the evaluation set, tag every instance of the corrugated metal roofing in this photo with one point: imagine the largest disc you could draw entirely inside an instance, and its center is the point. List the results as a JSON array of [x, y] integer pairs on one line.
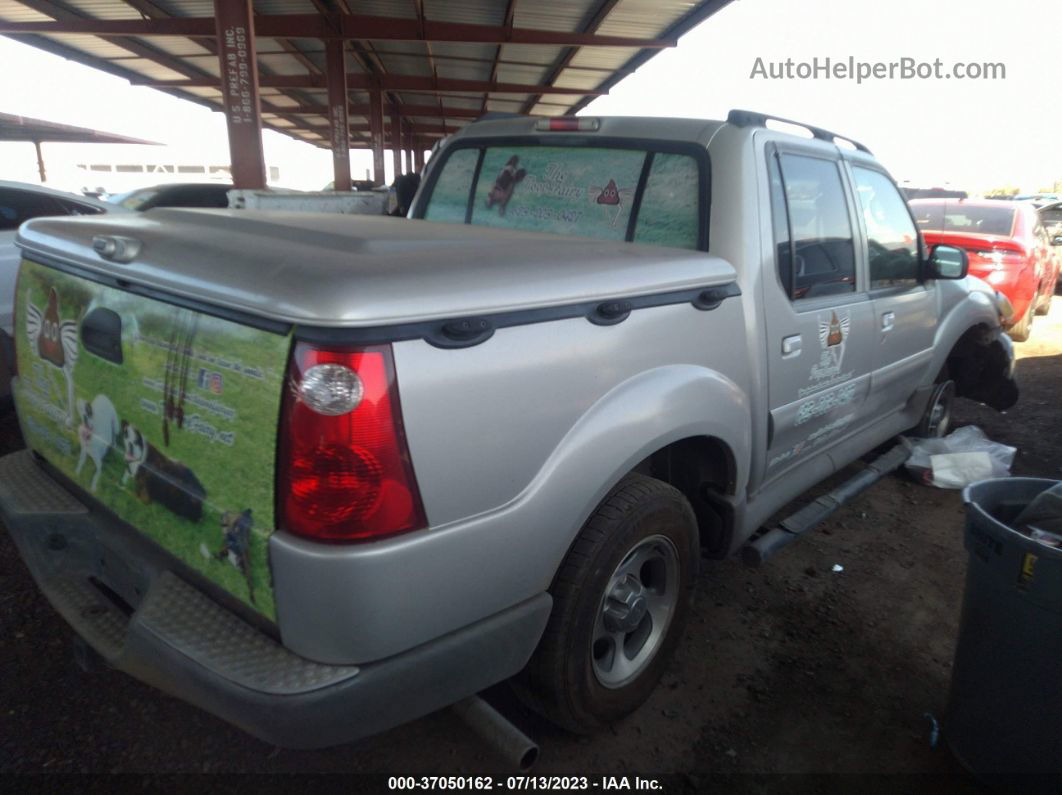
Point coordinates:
[[298, 109]]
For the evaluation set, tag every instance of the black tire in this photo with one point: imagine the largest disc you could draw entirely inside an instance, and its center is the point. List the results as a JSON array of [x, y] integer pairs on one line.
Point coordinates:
[[639, 519], [936, 421], [1045, 305], [1021, 330]]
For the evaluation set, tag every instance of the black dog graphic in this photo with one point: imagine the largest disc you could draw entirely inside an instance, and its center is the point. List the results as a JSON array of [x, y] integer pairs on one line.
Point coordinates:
[[157, 478], [236, 544]]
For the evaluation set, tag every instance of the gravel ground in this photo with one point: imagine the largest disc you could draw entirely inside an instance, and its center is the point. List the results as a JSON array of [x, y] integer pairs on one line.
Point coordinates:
[[789, 670]]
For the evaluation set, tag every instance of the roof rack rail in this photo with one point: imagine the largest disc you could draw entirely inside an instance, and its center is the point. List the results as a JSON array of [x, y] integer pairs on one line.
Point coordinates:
[[750, 118]]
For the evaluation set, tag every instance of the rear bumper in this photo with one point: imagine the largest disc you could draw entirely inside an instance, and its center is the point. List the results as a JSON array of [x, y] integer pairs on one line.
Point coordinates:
[[149, 622]]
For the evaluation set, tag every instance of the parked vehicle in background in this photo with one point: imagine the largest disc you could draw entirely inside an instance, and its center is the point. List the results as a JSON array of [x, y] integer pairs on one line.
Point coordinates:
[[1051, 218], [338, 472], [21, 201], [1007, 245], [178, 194], [933, 193]]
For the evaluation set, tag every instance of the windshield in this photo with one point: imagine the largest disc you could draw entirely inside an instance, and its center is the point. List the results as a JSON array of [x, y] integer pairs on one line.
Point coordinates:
[[133, 199], [609, 193], [962, 217]]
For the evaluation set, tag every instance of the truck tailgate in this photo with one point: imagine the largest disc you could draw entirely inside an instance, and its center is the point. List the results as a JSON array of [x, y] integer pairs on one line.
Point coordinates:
[[166, 416]]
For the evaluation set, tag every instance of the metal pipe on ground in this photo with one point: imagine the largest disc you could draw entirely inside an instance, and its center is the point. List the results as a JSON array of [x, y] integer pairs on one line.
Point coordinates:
[[515, 746]]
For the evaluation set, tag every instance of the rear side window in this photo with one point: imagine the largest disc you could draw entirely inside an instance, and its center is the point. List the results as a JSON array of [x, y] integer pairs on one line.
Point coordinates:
[[822, 251], [668, 211], [892, 239], [583, 191]]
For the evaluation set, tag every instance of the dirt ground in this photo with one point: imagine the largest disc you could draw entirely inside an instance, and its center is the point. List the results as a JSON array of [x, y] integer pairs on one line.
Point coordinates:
[[788, 670]]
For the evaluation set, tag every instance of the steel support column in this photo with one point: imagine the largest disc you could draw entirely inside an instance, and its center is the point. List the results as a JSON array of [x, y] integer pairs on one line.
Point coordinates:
[[418, 154], [40, 162], [335, 64], [396, 141], [239, 78], [407, 145], [376, 124]]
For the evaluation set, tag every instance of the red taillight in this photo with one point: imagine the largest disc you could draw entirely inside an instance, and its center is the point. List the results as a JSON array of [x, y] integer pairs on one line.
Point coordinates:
[[345, 476], [997, 257]]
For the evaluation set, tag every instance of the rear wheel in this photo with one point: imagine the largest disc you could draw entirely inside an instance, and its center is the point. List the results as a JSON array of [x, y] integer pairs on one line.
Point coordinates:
[[620, 601]]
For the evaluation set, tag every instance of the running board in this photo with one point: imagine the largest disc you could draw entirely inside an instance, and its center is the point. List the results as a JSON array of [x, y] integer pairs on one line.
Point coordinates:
[[757, 552]]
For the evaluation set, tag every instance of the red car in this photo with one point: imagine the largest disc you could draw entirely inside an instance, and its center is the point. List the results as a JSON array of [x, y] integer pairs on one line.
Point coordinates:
[[1007, 245]]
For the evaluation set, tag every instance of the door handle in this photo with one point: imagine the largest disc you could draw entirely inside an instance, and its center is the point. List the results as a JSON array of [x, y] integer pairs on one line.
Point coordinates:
[[791, 346], [888, 320]]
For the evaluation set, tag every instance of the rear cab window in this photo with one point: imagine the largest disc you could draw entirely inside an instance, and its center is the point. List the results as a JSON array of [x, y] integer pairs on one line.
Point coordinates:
[[608, 192]]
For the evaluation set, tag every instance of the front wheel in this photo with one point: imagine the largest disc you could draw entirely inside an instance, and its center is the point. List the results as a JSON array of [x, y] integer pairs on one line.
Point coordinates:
[[620, 601]]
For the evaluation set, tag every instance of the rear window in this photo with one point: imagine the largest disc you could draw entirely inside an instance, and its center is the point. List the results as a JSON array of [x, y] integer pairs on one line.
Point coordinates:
[[961, 217], [609, 193]]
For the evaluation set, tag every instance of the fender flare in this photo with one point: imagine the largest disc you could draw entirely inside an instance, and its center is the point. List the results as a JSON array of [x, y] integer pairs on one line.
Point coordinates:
[[634, 420]]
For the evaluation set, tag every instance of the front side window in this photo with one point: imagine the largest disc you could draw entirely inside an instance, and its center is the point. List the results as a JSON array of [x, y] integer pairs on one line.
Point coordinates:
[[823, 254], [892, 239]]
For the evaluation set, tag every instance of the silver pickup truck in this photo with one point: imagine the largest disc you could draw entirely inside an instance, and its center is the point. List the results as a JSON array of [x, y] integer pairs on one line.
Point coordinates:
[[319, 475]]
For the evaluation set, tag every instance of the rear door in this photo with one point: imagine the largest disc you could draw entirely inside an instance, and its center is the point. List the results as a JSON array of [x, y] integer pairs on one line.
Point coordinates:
[[164, 415], [819, 340], [905, 312]]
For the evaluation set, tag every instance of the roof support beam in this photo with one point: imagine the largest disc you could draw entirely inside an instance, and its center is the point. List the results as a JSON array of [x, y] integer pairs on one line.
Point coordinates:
[[362, 109], [353, 27], [388, 82], [336, 65], [239, 71]]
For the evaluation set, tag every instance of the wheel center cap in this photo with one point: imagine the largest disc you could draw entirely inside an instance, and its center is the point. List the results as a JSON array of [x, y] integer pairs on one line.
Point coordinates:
[[625, 606]]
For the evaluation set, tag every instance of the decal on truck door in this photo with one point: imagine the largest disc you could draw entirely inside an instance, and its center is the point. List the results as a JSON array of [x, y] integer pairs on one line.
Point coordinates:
[[177, 435]]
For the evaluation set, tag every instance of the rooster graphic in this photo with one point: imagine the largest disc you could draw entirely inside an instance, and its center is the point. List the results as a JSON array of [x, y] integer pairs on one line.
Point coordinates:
[[55, 341]]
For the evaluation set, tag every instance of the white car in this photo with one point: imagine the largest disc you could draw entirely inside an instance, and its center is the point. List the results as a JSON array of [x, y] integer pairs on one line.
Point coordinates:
[[20, 201]]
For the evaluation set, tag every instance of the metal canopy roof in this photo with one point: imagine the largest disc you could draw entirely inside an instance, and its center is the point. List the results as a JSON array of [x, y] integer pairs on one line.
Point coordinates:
[[438, 63], [23, 128]]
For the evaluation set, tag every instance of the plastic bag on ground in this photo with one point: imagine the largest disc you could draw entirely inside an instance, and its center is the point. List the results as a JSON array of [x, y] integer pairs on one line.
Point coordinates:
[[1044, 516], [955, 461]]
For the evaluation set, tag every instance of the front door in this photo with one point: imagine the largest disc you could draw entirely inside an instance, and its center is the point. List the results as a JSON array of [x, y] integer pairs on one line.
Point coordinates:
[[905, 312], [819, 341]]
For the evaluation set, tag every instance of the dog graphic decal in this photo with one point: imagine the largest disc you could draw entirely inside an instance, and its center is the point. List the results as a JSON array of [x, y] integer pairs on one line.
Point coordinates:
[[235, 545], [158, 478], [98, 432]]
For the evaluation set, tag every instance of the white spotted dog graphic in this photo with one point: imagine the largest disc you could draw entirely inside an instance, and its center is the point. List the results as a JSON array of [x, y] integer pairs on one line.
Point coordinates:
[[97, 433]]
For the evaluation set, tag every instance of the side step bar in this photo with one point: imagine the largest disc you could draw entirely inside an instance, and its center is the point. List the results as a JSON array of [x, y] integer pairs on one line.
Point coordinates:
[[757, 552]]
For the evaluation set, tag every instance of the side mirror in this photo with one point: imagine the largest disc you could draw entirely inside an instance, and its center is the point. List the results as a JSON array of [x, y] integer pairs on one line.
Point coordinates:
[[947, 262], [1056, 240]]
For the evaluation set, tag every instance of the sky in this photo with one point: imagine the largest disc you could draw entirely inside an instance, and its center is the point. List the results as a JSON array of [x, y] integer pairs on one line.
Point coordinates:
[[973, 134]]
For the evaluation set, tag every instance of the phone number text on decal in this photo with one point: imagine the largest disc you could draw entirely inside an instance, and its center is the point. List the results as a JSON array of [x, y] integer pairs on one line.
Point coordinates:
[[510, 783]]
